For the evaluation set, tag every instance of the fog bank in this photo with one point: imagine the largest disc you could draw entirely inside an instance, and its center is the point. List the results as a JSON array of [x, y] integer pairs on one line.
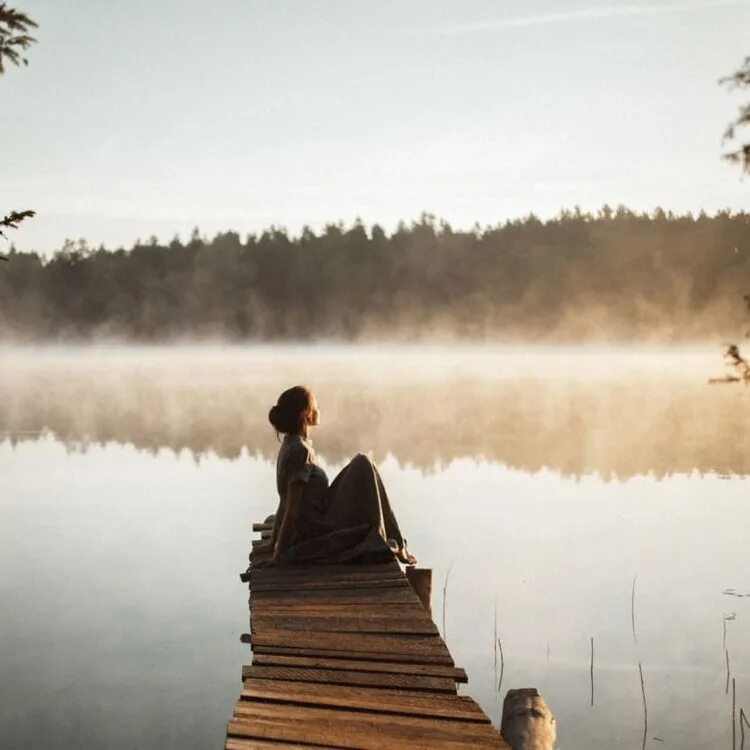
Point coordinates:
[[614, 411]]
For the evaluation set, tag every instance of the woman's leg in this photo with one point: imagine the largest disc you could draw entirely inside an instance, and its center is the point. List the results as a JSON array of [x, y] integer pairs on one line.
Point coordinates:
[[354, 497], [357, 495], [392, 530]]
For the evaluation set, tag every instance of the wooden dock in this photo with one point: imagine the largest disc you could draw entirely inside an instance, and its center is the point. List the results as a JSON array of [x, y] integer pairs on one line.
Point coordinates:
[[347, 656]]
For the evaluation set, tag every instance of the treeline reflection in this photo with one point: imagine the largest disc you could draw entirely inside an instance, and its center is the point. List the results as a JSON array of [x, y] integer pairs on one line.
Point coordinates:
[[614, 426]]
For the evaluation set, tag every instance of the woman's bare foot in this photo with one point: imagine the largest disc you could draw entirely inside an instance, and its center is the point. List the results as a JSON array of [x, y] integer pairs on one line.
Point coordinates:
[[401, 553], [405, 556]]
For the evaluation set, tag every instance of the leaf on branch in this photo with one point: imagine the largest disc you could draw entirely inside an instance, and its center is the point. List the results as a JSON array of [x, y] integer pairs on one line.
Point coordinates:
[[14, 27], [14, 218], [24, 42], [741, 155], [739, 78], [15, 20]]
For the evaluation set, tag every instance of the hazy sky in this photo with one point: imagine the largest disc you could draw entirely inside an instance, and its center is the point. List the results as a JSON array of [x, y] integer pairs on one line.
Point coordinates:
[[153, 116]]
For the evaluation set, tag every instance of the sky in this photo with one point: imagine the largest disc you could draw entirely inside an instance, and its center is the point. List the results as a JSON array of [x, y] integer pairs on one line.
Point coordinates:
[[151, 117]]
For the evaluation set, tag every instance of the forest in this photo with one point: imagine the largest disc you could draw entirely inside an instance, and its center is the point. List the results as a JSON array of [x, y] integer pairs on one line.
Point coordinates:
[[616, 275]]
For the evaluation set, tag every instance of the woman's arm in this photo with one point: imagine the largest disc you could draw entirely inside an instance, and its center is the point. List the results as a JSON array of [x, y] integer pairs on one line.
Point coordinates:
[[277, 519], [293, 500]]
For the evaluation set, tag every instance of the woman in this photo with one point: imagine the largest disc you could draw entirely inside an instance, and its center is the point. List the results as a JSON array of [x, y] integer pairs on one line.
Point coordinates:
[[349, 521]]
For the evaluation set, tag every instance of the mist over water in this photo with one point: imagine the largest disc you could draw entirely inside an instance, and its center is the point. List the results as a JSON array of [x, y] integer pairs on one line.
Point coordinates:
[[612, 411], [544, 477]]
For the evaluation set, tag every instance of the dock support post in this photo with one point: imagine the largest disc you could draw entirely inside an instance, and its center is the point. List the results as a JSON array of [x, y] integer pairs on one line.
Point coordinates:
[[420, 579], [527, 723]]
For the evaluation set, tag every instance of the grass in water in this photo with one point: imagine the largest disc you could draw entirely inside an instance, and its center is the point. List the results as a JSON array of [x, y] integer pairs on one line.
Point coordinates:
[[445, 592]]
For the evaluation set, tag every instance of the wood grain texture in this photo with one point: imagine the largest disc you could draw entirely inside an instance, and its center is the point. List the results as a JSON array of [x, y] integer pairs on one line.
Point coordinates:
[[459, 707], [405, 643], [369, 655], [349, 596], [323, 583], [387, 680], [307, 571], [346, 656], [262, 623], [235, 743], [353, 729], [335, 608], [456, 674]]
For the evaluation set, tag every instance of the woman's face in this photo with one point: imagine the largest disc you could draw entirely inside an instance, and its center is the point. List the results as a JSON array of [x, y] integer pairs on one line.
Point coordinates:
[[313, 417]]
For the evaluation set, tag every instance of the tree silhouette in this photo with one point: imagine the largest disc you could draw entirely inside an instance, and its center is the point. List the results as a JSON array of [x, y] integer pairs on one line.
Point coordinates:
[[741, 154], [14, 40], [11, 221], [14, 36], [612, 275]]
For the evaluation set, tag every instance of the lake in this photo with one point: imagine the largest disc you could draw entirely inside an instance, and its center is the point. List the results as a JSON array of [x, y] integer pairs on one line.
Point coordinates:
[[559, 494]]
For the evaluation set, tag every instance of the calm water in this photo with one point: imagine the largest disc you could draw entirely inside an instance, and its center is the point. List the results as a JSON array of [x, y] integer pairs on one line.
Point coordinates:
[[544, 478]]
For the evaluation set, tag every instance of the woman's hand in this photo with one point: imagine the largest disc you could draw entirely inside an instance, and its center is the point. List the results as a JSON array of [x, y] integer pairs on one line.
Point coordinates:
[[282, 528], [269, 562]]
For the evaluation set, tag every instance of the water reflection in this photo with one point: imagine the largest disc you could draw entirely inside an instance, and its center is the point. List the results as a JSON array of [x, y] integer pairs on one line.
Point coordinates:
[[118, 574], [614, 412], [121, 561]]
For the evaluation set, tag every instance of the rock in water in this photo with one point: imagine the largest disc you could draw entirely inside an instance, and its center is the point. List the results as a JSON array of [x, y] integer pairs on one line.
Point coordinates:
[[527, 723]]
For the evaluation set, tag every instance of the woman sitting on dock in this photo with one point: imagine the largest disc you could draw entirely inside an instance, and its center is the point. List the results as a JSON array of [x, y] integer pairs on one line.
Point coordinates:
[[349, 520]]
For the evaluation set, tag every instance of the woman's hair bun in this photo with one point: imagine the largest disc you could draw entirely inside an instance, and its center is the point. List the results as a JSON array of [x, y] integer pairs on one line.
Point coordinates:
[[290, 410]]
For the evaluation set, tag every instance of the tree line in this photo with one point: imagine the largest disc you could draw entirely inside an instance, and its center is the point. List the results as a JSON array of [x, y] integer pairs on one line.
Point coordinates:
[[613, 275]]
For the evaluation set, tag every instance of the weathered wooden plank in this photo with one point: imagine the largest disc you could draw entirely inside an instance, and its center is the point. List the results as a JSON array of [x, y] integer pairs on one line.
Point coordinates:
[[348, 572], [345, 656], [353, 729], [420, 579], [369, 624], [324, 581], [379, 700], [304, 585], [234, 743], [363, 642], [457, 674], [336, 608], [349, 596], [305, 570], [364, 655], [309, 609], [403, 622], [355, 678]]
